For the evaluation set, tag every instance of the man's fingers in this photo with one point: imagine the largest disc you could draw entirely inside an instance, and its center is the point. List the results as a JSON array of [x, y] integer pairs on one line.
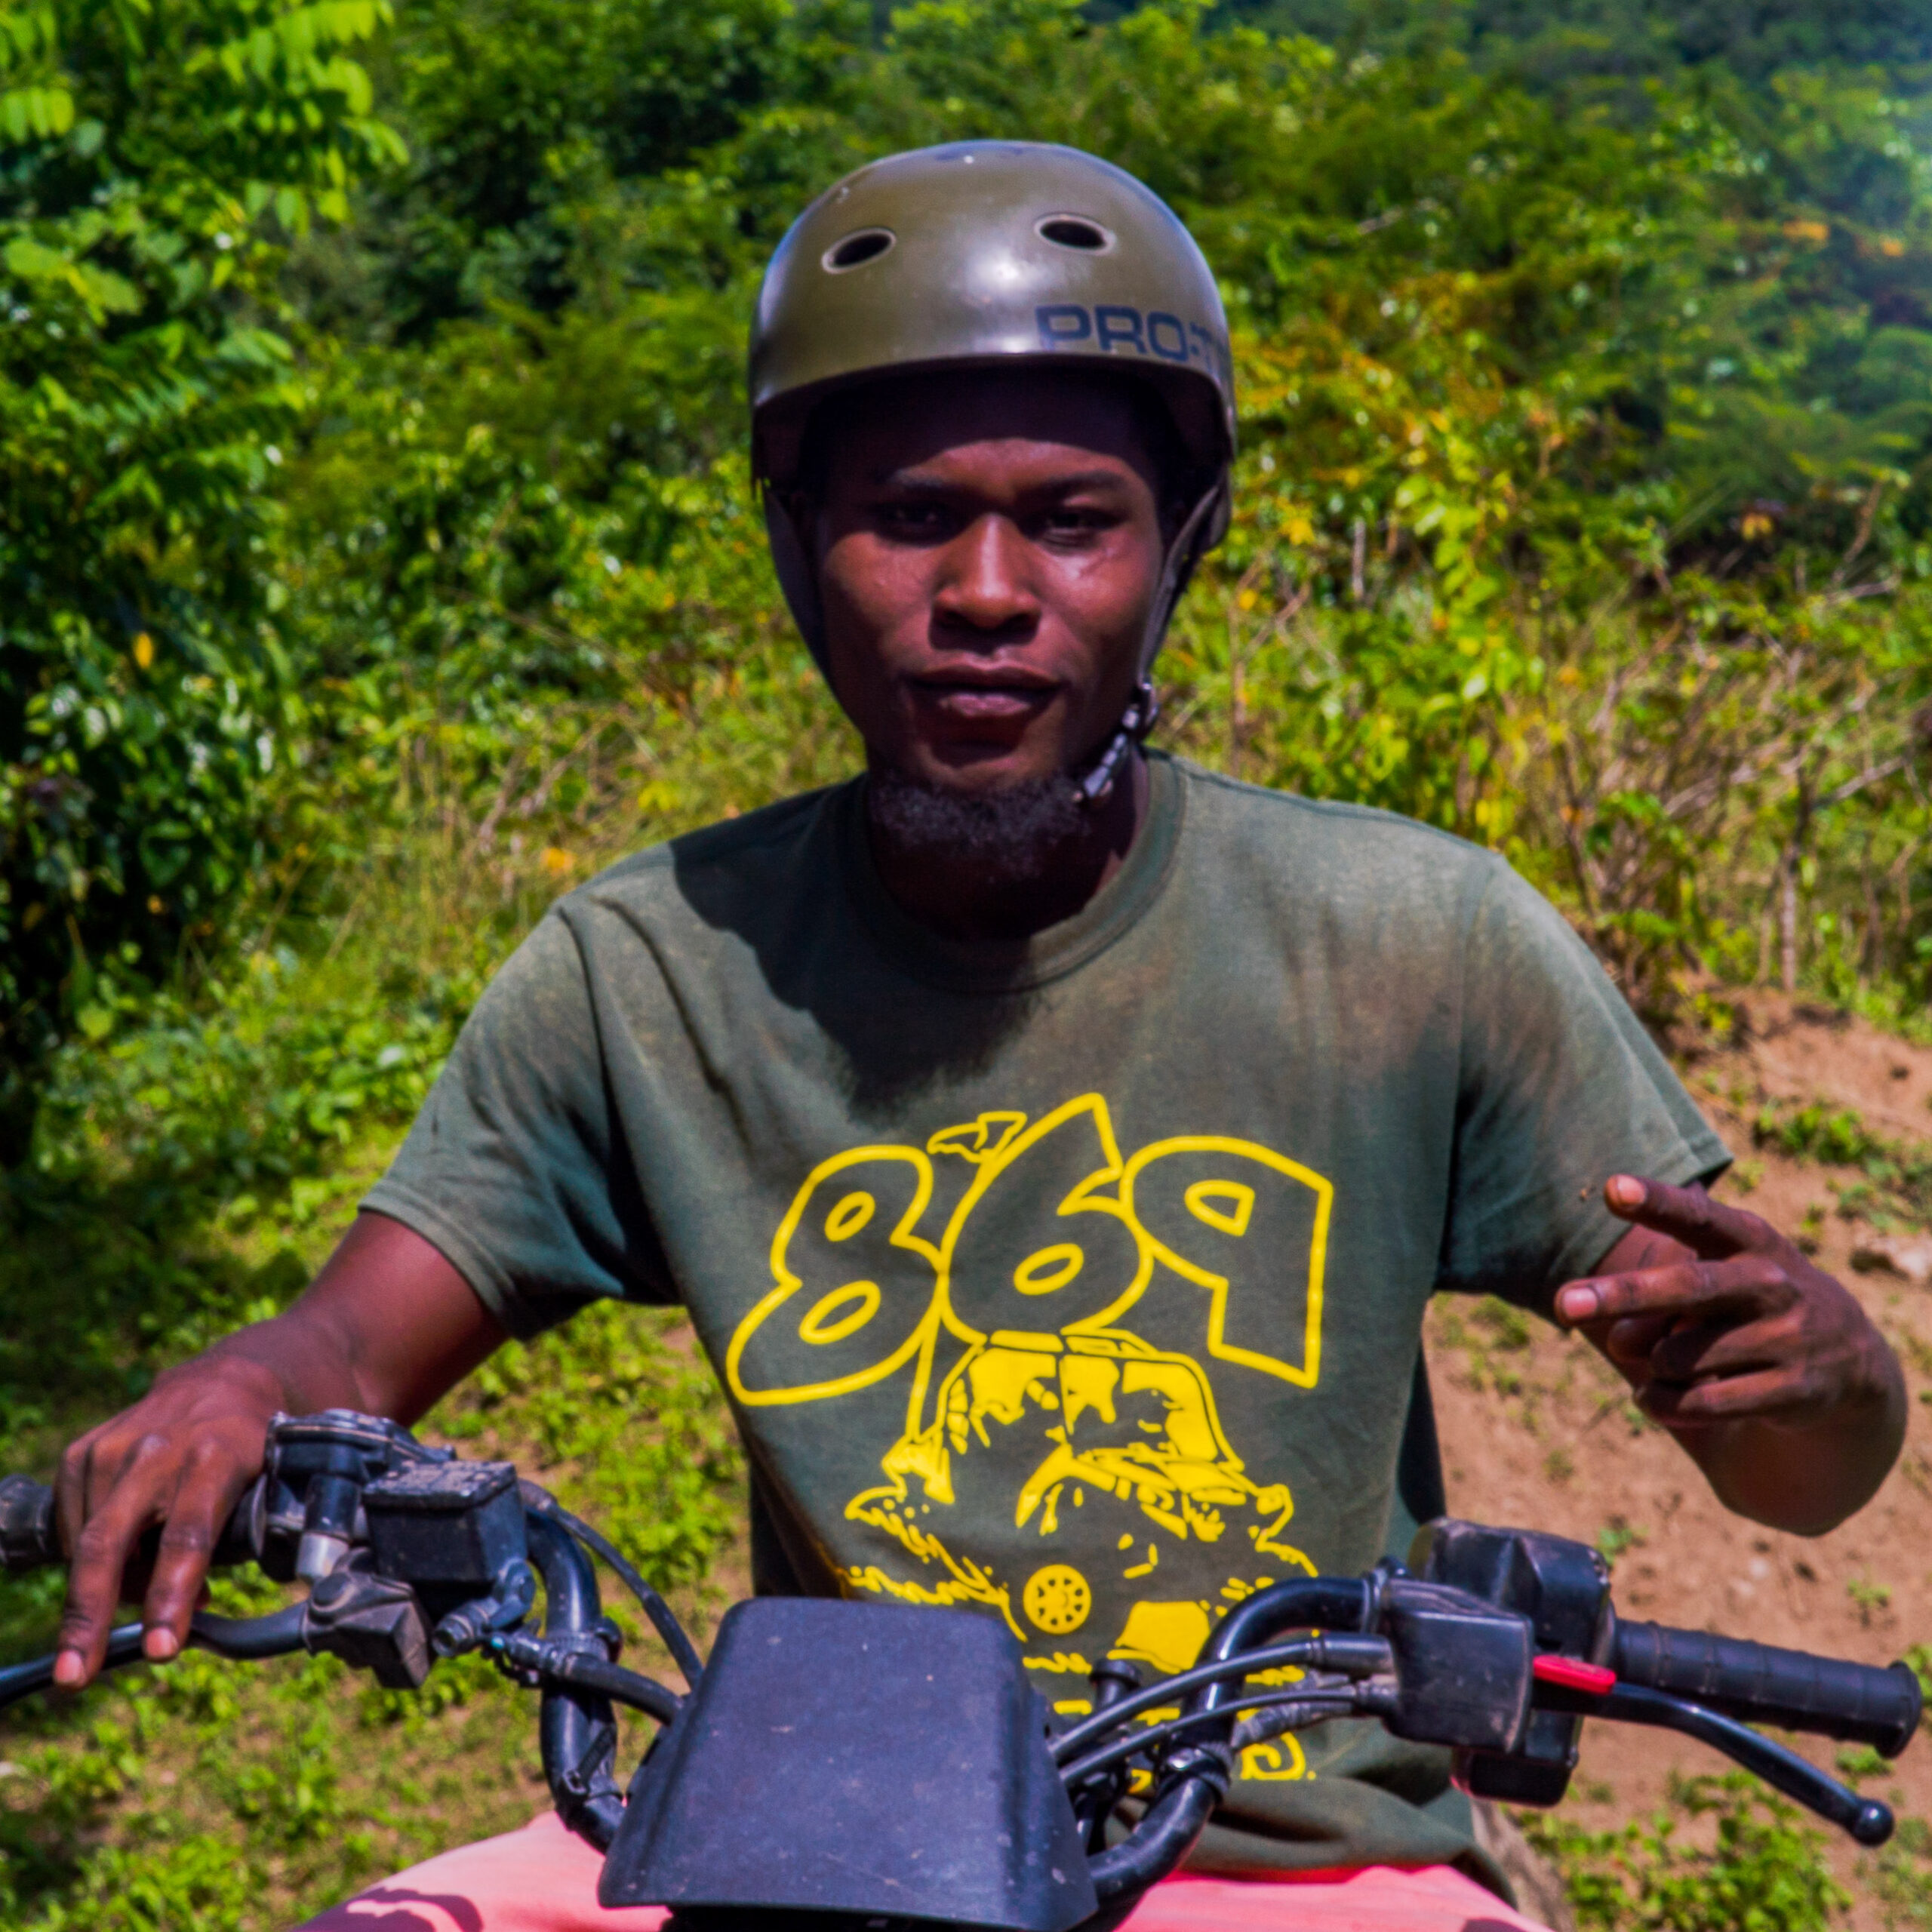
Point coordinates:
[[1708, 1228], [89, 1467], [123, 1486], [1681, 1288], [195, 1519], [70, 1487], [1766, 1395], [100, 1553], [1629, 1342], [1696, 1351]]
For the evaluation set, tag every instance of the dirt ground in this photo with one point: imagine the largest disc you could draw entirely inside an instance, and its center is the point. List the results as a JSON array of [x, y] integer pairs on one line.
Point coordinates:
[[1572, 1456]]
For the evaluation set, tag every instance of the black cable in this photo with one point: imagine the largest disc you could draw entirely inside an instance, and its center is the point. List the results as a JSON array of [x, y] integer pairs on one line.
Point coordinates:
[[621, 1686], [1352, 1656], [1333, 1703], [684, 1653]]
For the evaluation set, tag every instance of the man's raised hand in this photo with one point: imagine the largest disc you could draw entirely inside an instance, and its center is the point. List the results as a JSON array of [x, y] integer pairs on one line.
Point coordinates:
[[1733, 1338]]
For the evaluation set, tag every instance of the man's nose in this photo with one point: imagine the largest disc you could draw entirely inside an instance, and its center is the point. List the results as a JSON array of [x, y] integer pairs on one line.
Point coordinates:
[[986, 583]]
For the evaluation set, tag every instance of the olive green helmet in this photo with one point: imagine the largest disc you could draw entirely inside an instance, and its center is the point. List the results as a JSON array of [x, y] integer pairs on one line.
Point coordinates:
[[970, 255]]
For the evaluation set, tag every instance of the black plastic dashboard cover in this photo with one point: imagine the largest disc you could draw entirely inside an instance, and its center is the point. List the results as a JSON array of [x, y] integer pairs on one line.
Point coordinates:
[[874, 1760]]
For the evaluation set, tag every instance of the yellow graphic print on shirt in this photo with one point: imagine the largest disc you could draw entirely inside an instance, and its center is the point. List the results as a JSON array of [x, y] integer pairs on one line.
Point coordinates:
[[1026, 1329]]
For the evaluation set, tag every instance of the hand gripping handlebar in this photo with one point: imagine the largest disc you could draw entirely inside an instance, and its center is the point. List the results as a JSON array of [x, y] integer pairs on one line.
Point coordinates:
[[30, 1537]]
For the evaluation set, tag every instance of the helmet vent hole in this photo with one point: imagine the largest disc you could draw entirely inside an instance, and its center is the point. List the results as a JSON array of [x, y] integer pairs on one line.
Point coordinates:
[[1075, 231], [865, 245]]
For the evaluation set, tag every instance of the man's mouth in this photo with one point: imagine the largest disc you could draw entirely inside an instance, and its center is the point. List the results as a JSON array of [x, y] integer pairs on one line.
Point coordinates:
[[988, 694]]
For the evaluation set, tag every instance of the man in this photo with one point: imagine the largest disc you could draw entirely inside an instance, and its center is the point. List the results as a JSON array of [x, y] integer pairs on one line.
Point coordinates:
[[1055, 1146]]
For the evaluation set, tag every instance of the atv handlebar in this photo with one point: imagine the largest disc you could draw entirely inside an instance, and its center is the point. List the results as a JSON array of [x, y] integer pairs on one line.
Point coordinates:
[[1497, 1646], [1760, 1684], [28, 1539]]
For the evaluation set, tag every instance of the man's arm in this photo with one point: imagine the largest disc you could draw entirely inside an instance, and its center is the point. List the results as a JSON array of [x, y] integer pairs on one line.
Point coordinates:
[[1765, 1368], [386, 1327]]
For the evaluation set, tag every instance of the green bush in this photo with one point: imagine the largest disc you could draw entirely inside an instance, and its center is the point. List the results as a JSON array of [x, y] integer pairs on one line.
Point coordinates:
[[151, 159]]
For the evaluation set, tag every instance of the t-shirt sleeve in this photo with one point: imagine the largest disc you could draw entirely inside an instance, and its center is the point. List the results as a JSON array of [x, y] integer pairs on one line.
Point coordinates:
[[515, 1168], [1560, 1087]]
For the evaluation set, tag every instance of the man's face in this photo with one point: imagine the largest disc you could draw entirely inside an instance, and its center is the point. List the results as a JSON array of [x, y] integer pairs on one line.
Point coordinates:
[[988, 549]]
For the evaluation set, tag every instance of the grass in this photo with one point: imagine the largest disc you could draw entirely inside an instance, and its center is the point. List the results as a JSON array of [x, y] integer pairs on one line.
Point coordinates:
[[1752, 1865], [1900, 1878], [1890, 1182], [1616, 1536], [1868, 1596]]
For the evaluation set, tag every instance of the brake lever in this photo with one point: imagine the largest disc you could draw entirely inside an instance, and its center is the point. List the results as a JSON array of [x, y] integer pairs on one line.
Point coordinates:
[[242, 1639], [1869, 1822]]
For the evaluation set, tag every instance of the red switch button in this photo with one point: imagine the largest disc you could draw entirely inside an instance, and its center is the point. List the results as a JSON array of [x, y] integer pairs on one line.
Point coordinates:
[[1573, 1674]]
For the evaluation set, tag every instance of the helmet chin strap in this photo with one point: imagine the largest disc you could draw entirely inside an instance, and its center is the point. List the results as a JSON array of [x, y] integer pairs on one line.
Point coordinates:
[[1095, 785]]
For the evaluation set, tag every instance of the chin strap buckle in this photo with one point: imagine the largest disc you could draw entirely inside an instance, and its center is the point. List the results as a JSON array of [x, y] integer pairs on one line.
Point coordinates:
[[1143, 712]]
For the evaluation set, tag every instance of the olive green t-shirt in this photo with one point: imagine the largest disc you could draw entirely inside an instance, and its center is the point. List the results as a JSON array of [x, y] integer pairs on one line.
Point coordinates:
[[1078, 1283]]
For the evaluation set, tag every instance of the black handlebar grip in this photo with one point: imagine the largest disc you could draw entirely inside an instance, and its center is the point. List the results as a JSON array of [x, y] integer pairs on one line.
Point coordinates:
[[28, 1539], [1759, 1684]]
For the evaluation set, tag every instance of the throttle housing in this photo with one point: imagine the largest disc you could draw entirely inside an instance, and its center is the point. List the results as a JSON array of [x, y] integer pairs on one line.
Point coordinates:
[[1463, 1667]]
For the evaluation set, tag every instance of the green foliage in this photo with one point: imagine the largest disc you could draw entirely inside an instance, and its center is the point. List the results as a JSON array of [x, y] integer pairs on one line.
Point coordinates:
[[1616, 1536], [378, 561], [1556, 42], [498, 591], [155, 1887], [1893, 1178], [1509, 1328], [1763, 1874], [1868, 1596], [151, 156], [188, 1129], [255, 1085], [657, 1458], [523, 120]]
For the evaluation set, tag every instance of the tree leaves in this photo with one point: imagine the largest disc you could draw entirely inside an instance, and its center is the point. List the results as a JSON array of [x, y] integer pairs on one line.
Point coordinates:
[[154, 156]]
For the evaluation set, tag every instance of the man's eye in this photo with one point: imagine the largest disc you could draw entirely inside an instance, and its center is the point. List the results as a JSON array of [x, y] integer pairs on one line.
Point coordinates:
[[1066, 524], [913, 520]]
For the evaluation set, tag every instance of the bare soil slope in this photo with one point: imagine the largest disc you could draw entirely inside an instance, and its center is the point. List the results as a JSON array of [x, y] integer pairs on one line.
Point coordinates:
[[1536, 1432]]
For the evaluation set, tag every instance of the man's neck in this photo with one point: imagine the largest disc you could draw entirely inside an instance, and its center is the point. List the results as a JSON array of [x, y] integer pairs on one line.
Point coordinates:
[[964, 898]]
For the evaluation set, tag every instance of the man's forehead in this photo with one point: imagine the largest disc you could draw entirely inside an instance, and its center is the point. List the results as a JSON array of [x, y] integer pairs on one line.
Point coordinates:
[[922, 428]]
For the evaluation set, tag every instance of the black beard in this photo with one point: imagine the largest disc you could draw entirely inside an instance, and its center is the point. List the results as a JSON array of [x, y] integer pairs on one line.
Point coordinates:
[[1009, 837]]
